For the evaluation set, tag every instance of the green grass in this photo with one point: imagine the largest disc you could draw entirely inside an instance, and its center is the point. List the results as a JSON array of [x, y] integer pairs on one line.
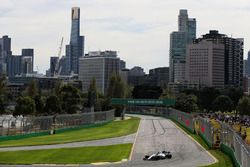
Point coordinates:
[[82, 155], [223, 159], [113, 129]]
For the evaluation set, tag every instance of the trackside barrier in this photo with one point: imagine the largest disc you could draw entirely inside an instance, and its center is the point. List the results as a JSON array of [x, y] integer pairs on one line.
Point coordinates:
[[183, 118], [231, 143], [239, 150], [205, 130], [35, 126]]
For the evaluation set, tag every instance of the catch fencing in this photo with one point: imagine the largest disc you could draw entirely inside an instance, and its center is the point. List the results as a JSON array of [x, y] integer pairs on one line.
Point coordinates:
[[205, 130], [185, 119], [235, 145], [10, 125], [230, 142]]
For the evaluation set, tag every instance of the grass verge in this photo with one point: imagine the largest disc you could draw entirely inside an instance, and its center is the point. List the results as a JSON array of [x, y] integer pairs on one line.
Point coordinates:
[[223, 159], [81, 155], [113, 129]]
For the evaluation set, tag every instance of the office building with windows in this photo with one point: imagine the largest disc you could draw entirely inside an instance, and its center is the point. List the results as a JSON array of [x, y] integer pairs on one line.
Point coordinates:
[[205, 56], [178, 41], [99, 65], [205, 63], [5, 52], [75, 49]]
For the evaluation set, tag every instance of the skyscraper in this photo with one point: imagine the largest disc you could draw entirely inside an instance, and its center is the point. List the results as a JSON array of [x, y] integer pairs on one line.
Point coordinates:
[[205, 63], [14, 65], [232, 58], [178, 41], [27, 61], [75, 49], [5, 51], [248, 64], [53, 62], [99, 65]]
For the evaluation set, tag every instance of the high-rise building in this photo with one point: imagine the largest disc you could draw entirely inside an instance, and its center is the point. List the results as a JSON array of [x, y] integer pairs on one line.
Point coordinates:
[[178, 41], [122, 64], [20, 64], [27, 61], [53, 62], [5, 51], [136, 71], [160, 75], [232, 58], [245, 68], [99, 65], [75, 49], [205, 63], [63, 66], [248, 64], [14, 65]]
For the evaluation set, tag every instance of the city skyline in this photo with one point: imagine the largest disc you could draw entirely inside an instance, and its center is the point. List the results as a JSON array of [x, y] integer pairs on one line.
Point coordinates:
[[139, 30]]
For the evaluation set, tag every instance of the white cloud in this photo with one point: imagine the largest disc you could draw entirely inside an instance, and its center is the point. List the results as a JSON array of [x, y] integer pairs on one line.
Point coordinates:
[[138, 29]]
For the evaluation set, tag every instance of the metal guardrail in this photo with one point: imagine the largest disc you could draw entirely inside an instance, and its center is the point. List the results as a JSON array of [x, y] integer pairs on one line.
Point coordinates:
[[10, 125]]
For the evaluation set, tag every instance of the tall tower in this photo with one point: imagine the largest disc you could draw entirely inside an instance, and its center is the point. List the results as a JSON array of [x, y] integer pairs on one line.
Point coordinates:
[[182, 20], [5, 52], [75, 25], [178, 41], [75, 49]]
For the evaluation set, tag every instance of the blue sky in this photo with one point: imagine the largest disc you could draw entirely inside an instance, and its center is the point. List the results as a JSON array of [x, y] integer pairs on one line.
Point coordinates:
[[138, 29]]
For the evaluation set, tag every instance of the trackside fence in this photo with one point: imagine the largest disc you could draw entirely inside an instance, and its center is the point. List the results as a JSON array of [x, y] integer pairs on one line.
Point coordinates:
[[10, 125], [237, 148], [185, 119], [205, 130], [231, 143]]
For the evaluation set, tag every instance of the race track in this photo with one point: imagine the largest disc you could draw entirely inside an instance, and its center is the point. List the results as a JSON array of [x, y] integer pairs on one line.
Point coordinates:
[[157, 134], [154, 134]]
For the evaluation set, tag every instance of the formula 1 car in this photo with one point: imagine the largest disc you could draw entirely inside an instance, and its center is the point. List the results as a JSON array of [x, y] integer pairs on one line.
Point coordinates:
[[158, 156]]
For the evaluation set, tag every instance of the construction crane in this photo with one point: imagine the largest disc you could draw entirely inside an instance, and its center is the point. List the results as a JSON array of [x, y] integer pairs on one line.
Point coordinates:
[[57, 66]]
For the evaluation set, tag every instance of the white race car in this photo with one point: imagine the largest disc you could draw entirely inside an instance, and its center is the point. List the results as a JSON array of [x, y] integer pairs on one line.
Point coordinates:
[[158, 156]]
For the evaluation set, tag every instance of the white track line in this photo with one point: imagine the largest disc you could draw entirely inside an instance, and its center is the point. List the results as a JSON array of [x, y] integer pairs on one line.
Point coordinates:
[[132, 150]]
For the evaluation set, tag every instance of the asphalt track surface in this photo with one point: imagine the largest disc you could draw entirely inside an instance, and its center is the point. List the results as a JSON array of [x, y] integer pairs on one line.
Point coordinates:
[[157, 134]]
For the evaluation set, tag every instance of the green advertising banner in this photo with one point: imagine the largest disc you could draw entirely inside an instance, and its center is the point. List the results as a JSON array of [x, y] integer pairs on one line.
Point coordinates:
[[145, 102]]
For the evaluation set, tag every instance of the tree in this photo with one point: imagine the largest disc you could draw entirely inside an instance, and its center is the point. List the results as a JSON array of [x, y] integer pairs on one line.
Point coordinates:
[[52, 105], [92, 93], [58, 86], [244, 106], [31, 89], [234, 93], [128, 90], [167, 94], [147, 92], [25, 106], [95, 98], [40, 104], [70, 98], [186, 103], [223, 103], [206, 97], [3, 94], [116, 89]]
